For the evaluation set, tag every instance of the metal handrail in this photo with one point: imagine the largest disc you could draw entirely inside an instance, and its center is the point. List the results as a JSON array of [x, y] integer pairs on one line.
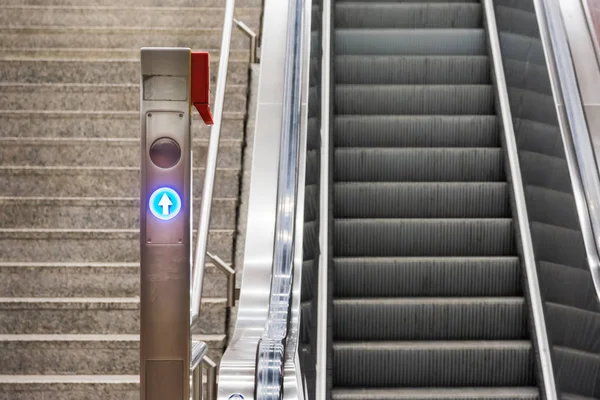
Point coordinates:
[[253, 40], [518, 194], [211, 166], [272, 345], [323, 280], [200, 358], [578, 147]]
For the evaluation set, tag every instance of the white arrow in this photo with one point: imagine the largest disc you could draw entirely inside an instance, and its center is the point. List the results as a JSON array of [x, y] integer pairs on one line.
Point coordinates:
[[165, 203]]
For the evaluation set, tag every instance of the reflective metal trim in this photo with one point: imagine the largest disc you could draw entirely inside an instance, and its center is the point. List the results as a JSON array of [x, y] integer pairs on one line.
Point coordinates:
[[323, 278], [574, 130], [272, 345], [535, 298], [238, 364]]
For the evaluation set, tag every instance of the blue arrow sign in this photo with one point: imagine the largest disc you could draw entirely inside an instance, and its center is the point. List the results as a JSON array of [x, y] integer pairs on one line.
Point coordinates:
[[165, 203]]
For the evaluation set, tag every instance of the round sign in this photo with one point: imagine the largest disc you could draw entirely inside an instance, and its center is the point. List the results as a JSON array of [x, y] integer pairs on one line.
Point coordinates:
[[165, 203]]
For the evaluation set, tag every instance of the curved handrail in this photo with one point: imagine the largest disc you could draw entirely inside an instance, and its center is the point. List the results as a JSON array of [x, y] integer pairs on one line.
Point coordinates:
[[579, 154], [211, 165], [271, 347]]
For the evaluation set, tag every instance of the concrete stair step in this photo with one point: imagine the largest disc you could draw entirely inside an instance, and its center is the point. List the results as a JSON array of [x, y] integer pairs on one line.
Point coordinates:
[[97, 97], [99, 124], [98, 182], [89, 245], [69, 387], [46, 70], [87, 280], [109, 37], [81, 354], [98, 54], [135, 3], [95, 316], [184, 17], [101, 152], [95, 213]]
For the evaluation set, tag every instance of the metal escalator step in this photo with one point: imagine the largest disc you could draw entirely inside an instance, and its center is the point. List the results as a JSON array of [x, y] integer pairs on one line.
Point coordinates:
[[434, 70], [421, 200], [424, 318], [404, 1], [517, 4], [420, 165], [559, 245], [427, 276], [533, 106], [407, 15], [553, 277], [423, 237], [526, 75], [433, 364], [552, 207], [571, 396], [414, 99], [537, 137], [573, 327], [416, 131], [409, 41], [545, 171], [578, 373], [485, 393], [517, 21]]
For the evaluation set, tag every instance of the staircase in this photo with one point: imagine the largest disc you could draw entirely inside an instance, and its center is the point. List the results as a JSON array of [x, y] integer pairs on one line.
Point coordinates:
[[69, 173], [427, 294]]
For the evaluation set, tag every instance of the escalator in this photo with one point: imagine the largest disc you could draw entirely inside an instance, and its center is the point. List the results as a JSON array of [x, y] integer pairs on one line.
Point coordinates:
[[446, 246], [427, 285]]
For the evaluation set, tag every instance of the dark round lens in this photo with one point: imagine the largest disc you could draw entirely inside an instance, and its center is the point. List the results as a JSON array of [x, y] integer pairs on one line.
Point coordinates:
[[165, 153]]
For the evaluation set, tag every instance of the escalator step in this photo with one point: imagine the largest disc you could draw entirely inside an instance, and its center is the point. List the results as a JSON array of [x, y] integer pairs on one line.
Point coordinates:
[[416, 131], [418, 165], [405, 1], [394, 70], [537, 137], [427, 276], [573, 327], [579, 371], [545, 171], [421, 200], [423, 237], [559, 245], [407, 15], [424, 318], [553, 277], [508, 393], [414, 99], [410, 41], [433, 363]]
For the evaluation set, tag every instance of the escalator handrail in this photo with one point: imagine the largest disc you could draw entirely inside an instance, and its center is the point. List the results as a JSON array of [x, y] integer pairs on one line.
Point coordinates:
[[323, 280], [574, 130], [548, 385], [272, 344]]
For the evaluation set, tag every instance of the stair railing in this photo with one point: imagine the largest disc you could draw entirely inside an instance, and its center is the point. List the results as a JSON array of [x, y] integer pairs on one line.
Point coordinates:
[[199, 349]]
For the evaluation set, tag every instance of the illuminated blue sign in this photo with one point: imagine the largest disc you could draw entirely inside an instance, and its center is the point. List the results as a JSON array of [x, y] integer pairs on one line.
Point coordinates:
[[165, 203]]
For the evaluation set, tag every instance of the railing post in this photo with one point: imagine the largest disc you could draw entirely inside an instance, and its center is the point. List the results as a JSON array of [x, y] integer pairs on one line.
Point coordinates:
[[165, 229]]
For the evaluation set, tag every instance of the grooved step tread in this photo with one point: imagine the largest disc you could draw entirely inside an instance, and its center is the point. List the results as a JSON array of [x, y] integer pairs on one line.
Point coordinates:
[[488, 393]]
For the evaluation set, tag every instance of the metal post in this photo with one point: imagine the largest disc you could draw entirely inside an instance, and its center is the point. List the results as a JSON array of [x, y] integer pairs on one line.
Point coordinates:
[[211, 378], [197, 373], [165, 230]]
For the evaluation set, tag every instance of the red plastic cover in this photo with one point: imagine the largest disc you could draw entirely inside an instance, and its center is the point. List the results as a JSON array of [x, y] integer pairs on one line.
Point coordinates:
[[201, 85]]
